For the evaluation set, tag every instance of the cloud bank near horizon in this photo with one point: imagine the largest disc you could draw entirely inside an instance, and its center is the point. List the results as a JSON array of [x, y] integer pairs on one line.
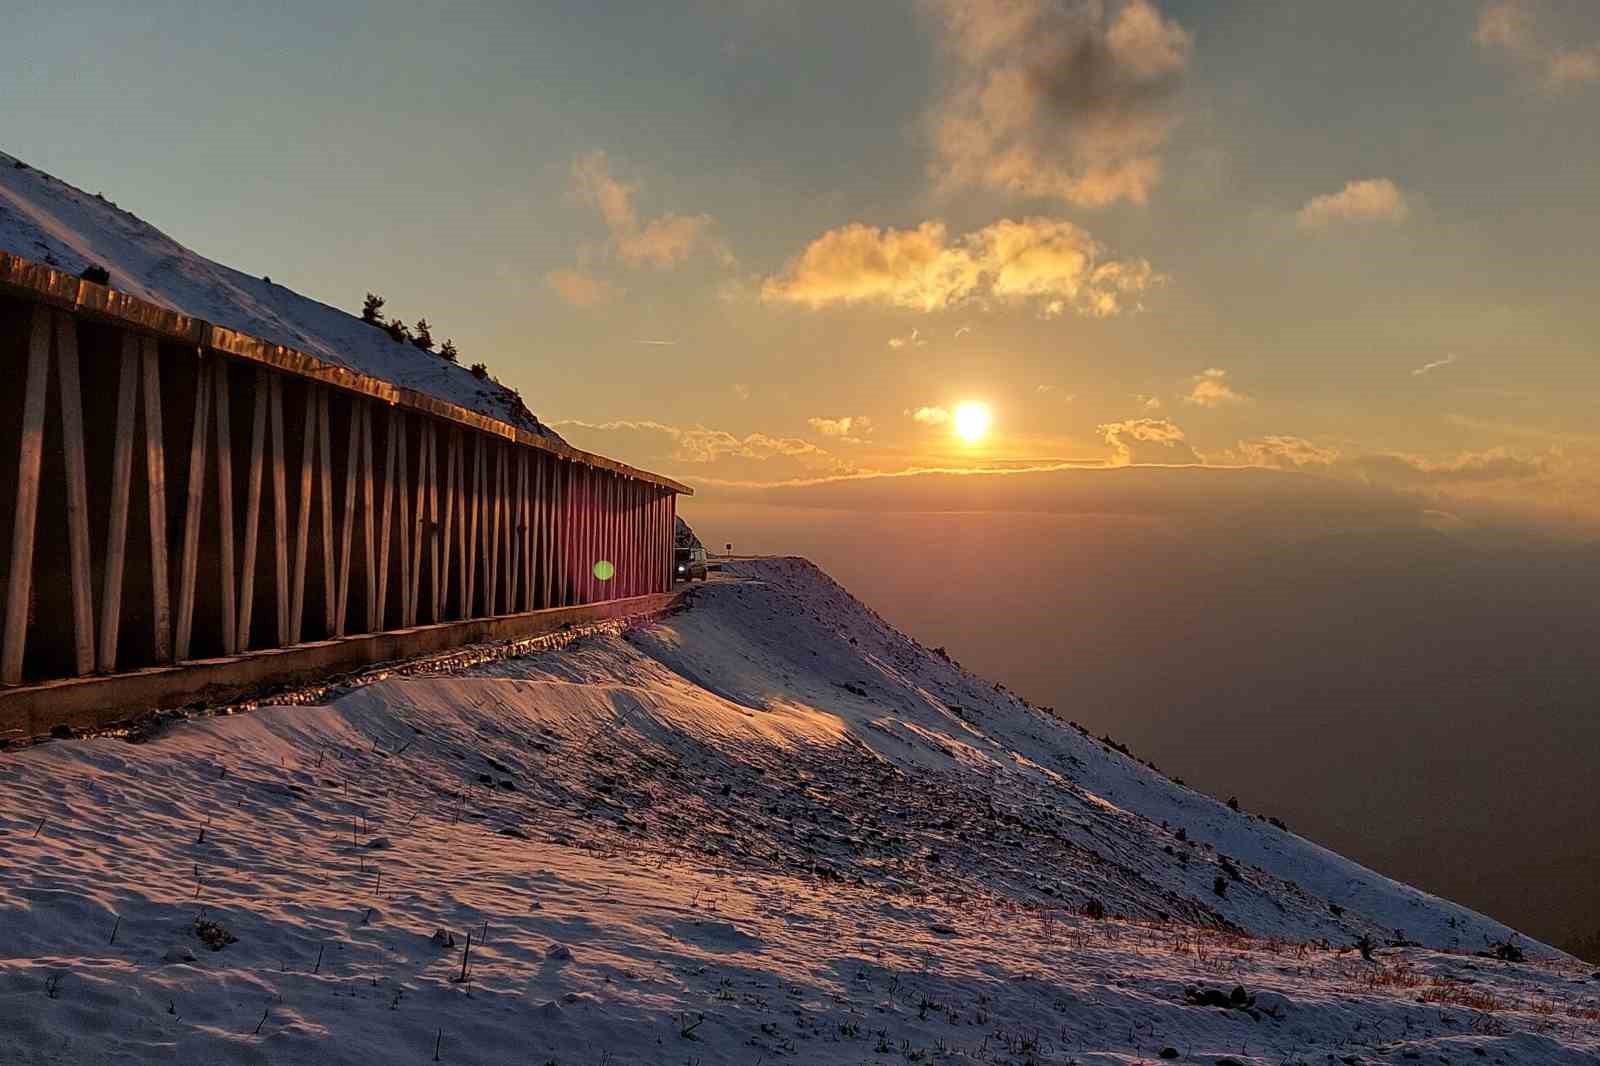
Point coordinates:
[[843, 461]]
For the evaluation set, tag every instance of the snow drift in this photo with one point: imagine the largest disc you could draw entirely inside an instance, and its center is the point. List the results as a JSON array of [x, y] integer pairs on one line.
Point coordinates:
[[768, 827]]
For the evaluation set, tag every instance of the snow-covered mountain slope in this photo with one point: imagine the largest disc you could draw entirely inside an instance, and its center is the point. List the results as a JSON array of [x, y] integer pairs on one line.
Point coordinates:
[[765, 828], [44, 219], [791, 636]]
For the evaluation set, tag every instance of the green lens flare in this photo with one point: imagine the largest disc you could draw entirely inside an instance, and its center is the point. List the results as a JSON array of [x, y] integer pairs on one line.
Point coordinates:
[[604, 570]]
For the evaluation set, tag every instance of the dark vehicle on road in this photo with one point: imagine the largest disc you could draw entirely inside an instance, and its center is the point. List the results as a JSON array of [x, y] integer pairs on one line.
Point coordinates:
[[689, 564]]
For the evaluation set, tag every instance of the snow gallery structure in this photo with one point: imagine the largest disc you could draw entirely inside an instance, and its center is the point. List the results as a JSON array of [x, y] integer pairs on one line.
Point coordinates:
[[186, 510]]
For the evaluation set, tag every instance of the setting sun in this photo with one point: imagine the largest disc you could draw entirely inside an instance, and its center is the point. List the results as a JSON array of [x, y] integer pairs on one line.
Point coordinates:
[[972, 421]]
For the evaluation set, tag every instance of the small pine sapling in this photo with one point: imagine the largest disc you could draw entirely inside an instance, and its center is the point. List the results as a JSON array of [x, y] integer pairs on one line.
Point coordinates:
[[422, 336]]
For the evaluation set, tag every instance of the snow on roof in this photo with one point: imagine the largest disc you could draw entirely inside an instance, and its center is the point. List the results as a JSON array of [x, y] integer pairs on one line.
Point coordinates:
[[46, 220]]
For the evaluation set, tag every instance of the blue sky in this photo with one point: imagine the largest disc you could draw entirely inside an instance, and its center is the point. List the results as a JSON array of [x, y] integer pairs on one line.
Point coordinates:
[[458, 161]]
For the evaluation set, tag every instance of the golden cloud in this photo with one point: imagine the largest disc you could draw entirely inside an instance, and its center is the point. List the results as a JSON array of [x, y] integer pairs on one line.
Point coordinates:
[[1142, 441], [850, 428], [659, 242], [1513, 28], [1371, 200], [1573, 66], [1210, 388], [1071, 99], [580, 289], [1400, 470], [1047, 262], [1491, 465], [698, 444], [1505, 24], [706, 450], [1286, 452]]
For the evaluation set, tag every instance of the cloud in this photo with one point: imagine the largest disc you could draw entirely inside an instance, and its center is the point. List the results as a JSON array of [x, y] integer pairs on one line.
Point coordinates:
[[962, 331], [1569, 67], [1483, 489], [663, 241], [1575, 66], [1232, 501], [1210, 388], [849, 429], [697, 444], [703, 455], [1372, 200], [1283, 452], [914, 339], [1494, 464], [929, 416], [658, 242], [1069, 99], [1437, 364], [1400, 470], [1149, 403], [1505, 24], [580, 289], [1049, 263], [859, 263], [1140, 441], [1055, 393], [741, 391], [1515, 30]]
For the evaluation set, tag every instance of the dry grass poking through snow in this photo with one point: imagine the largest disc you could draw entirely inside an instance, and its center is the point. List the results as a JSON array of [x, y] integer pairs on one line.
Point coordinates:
[[767, 829]]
